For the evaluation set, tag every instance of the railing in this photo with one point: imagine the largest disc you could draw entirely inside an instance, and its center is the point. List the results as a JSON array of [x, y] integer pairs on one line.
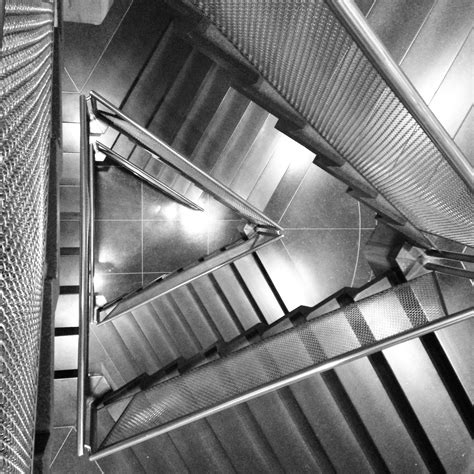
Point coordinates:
[[259, 232], [25, 112], [322, 61], [293, 355], [86, 287], [163, 152]]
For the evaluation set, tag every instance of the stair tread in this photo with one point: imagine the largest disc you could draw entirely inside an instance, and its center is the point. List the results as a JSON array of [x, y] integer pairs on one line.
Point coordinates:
[[283, 434], [118, 352], [236, 296], [67, 311], [201, 449], [217, 134], [239, 143], [215, 307], [284, 275], [328, 423], [165, 64], [185, 340], [259, 288], [242, 439], [190, 309], [256, 158], [159, 339], [136, 343]]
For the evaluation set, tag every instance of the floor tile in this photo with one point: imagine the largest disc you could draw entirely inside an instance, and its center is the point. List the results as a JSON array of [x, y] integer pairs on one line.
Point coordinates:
[[118, 247], [57, 439], [455, 95], [128, 51], [112, 286], [65, 398], [71, 137], [70, 107], [465, 136], [66, 83], [168, 245], [222, 233], [325, 258], [118, 194], [81, 56], [321, 201], [396, 23], [364, 5], [431, 54], [68, 461]]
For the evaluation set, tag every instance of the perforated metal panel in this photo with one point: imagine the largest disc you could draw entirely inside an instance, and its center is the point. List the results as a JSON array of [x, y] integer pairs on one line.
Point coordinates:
[[304, 51], [356, 326], [25, 98]]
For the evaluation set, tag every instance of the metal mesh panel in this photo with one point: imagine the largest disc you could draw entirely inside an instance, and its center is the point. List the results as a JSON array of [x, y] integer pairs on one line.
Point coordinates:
[[303, 50], [25, 110], [354, 327]]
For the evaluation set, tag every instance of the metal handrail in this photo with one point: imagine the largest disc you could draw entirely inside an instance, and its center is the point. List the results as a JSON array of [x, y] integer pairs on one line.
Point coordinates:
[[288, 380], [180, 278], [148, 178], [85, 286], [355, 22], [174, 159]]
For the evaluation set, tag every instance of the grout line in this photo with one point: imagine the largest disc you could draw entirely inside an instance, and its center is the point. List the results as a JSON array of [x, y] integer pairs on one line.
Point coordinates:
[[98, 465], [294, 194], [450, 66], [72, 80], [358, 245], [462, 123], [435, 4], [141, 192], [371, 8], [105, 48], [61, 447], [329, 228]]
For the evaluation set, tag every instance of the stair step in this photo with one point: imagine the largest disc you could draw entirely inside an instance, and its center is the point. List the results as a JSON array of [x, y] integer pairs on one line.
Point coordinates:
[[118, 352], [186, 341], [239, 143], [201, 325], [217, 134], [201, 449], [237, 297], [213, 305], [256, 158], [243, 441], [137, 344], [289, 183], [69, 201], [269, 179], [153, 329], [164, 64], [259, 288], [65, 352], [284, 275], [283, 434], [330, 426], [176, 104], [70, 169], [67, 311], [122, 461], [69, 270], [69, 234]]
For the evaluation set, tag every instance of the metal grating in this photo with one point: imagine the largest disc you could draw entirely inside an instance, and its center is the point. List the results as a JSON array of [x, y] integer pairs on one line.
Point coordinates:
[[25, 98], [307, 55], [302, 348]]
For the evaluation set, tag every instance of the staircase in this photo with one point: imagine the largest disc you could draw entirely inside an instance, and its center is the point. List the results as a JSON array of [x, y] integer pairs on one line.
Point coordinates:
[[352, 419]]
